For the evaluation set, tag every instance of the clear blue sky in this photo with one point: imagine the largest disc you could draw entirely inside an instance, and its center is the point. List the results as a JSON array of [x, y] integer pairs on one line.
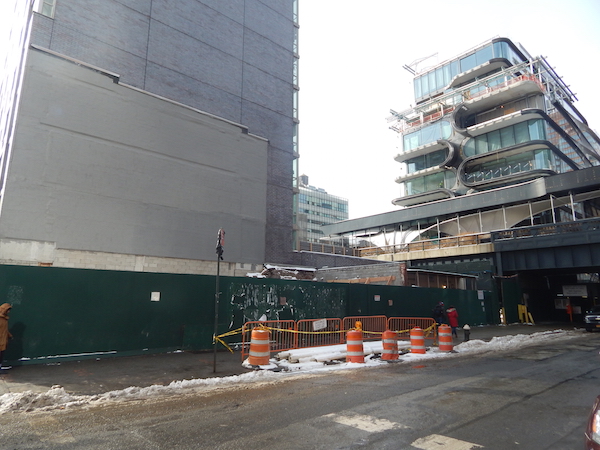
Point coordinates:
[[351, 75]]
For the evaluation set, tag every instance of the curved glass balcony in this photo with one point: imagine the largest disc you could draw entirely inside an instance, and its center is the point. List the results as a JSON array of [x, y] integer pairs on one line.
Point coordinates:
[[427, 135], [464, 68], [518, 163]]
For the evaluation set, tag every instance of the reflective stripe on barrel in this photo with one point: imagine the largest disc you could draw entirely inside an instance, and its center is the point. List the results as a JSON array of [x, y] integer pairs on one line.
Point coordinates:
[[445, 337], [390, 345], [259, 347], [417, 341], [354, 347]]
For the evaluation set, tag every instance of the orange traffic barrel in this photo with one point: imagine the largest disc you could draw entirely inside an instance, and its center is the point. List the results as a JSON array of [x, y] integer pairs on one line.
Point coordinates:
[[390, 345], [354, 347], [259, 347], [417, 340], [445, 337]]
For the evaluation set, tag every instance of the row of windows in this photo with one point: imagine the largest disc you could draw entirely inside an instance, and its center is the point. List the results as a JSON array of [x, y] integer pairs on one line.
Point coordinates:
[[322, 203], [505, 137], [442, 76], [422, 162], [426, 135], [431, 182], [523, 162], [322, 214]]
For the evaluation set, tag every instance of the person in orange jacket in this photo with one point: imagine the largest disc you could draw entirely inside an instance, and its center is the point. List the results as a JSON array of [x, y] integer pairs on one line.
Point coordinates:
[[452, 315], [4, 333]]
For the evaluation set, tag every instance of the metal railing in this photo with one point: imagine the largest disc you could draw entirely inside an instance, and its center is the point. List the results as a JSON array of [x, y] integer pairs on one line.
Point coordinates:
[[577, 226], [289, 334], [328, 248], [429, 244], [372, 326], [403, 325], [461, 240]]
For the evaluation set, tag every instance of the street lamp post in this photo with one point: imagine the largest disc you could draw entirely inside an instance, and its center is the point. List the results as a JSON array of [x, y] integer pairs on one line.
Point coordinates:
[[220, 244]]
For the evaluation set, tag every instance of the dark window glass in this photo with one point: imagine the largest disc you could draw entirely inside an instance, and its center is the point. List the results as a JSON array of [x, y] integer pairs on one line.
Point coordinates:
[[536, 129], [469, 147], [507, 136], [494, 142], [431, 77], [500, 50], [454, 68], [468, 62], [436, 158], [481, 145], [439, 78], [447, 74], [417, 85], [521, 132], [484, 55], [424, 85]]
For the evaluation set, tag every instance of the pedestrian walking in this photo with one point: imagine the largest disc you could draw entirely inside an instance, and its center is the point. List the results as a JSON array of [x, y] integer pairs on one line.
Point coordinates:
[[438, 313], [452, 315], [4, 333]]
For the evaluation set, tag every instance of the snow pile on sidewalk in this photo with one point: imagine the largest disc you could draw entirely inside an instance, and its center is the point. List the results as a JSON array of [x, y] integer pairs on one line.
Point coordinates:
[[297, 362]]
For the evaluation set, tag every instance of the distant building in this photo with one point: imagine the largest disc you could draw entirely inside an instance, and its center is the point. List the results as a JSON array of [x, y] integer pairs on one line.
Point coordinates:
[[317, 208]]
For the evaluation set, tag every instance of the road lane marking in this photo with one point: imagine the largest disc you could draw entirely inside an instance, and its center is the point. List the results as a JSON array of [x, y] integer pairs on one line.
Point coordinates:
[[438, 442], [365, 423]]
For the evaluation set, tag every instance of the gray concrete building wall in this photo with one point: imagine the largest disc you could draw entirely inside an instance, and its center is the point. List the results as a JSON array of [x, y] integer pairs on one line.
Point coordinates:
[[232, 59], [99, 166]]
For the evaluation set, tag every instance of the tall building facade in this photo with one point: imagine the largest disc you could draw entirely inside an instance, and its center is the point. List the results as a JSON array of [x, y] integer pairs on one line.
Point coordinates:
[[491, 118], [317, 208], [133, 130], [499, 177]]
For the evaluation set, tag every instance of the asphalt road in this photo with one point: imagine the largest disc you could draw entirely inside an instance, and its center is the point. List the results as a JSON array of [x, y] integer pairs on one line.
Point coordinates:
[[534, 398]]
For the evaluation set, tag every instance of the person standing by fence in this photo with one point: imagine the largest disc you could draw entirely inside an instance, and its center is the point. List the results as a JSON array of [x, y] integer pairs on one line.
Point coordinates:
[[438, 313], [452, 315], [4, 333]]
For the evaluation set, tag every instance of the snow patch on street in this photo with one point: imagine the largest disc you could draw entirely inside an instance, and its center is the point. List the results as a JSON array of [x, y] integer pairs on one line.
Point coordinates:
[[292, 363]]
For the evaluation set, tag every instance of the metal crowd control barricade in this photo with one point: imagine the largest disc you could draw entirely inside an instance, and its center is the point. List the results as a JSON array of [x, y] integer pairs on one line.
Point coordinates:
[[403, 325], [319, 332], [283, 335], [372, 326]]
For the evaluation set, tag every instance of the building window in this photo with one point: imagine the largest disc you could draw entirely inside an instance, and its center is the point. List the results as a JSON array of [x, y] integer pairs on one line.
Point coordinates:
[[295, 72], [426, 135], [45, 7], [422, 162], [295, 11], [505, 137], [295, 104]]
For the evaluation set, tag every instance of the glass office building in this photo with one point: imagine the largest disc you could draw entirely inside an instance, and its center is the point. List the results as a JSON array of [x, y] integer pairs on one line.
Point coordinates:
[[491, 117], [317, 208]]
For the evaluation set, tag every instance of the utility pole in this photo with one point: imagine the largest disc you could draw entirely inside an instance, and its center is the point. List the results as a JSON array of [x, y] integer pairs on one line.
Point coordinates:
[[220, 244]]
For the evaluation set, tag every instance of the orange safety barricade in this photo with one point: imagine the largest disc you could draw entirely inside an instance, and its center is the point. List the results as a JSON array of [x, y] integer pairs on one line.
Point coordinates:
[[260, 352], [417, 342], [390, 345], [403, 325], [372, 326], [354, 347], [283, 336], [326, 332], [445, 335]]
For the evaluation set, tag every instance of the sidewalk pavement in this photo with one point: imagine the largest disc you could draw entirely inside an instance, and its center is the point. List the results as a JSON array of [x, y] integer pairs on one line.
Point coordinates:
[[96, 376]]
